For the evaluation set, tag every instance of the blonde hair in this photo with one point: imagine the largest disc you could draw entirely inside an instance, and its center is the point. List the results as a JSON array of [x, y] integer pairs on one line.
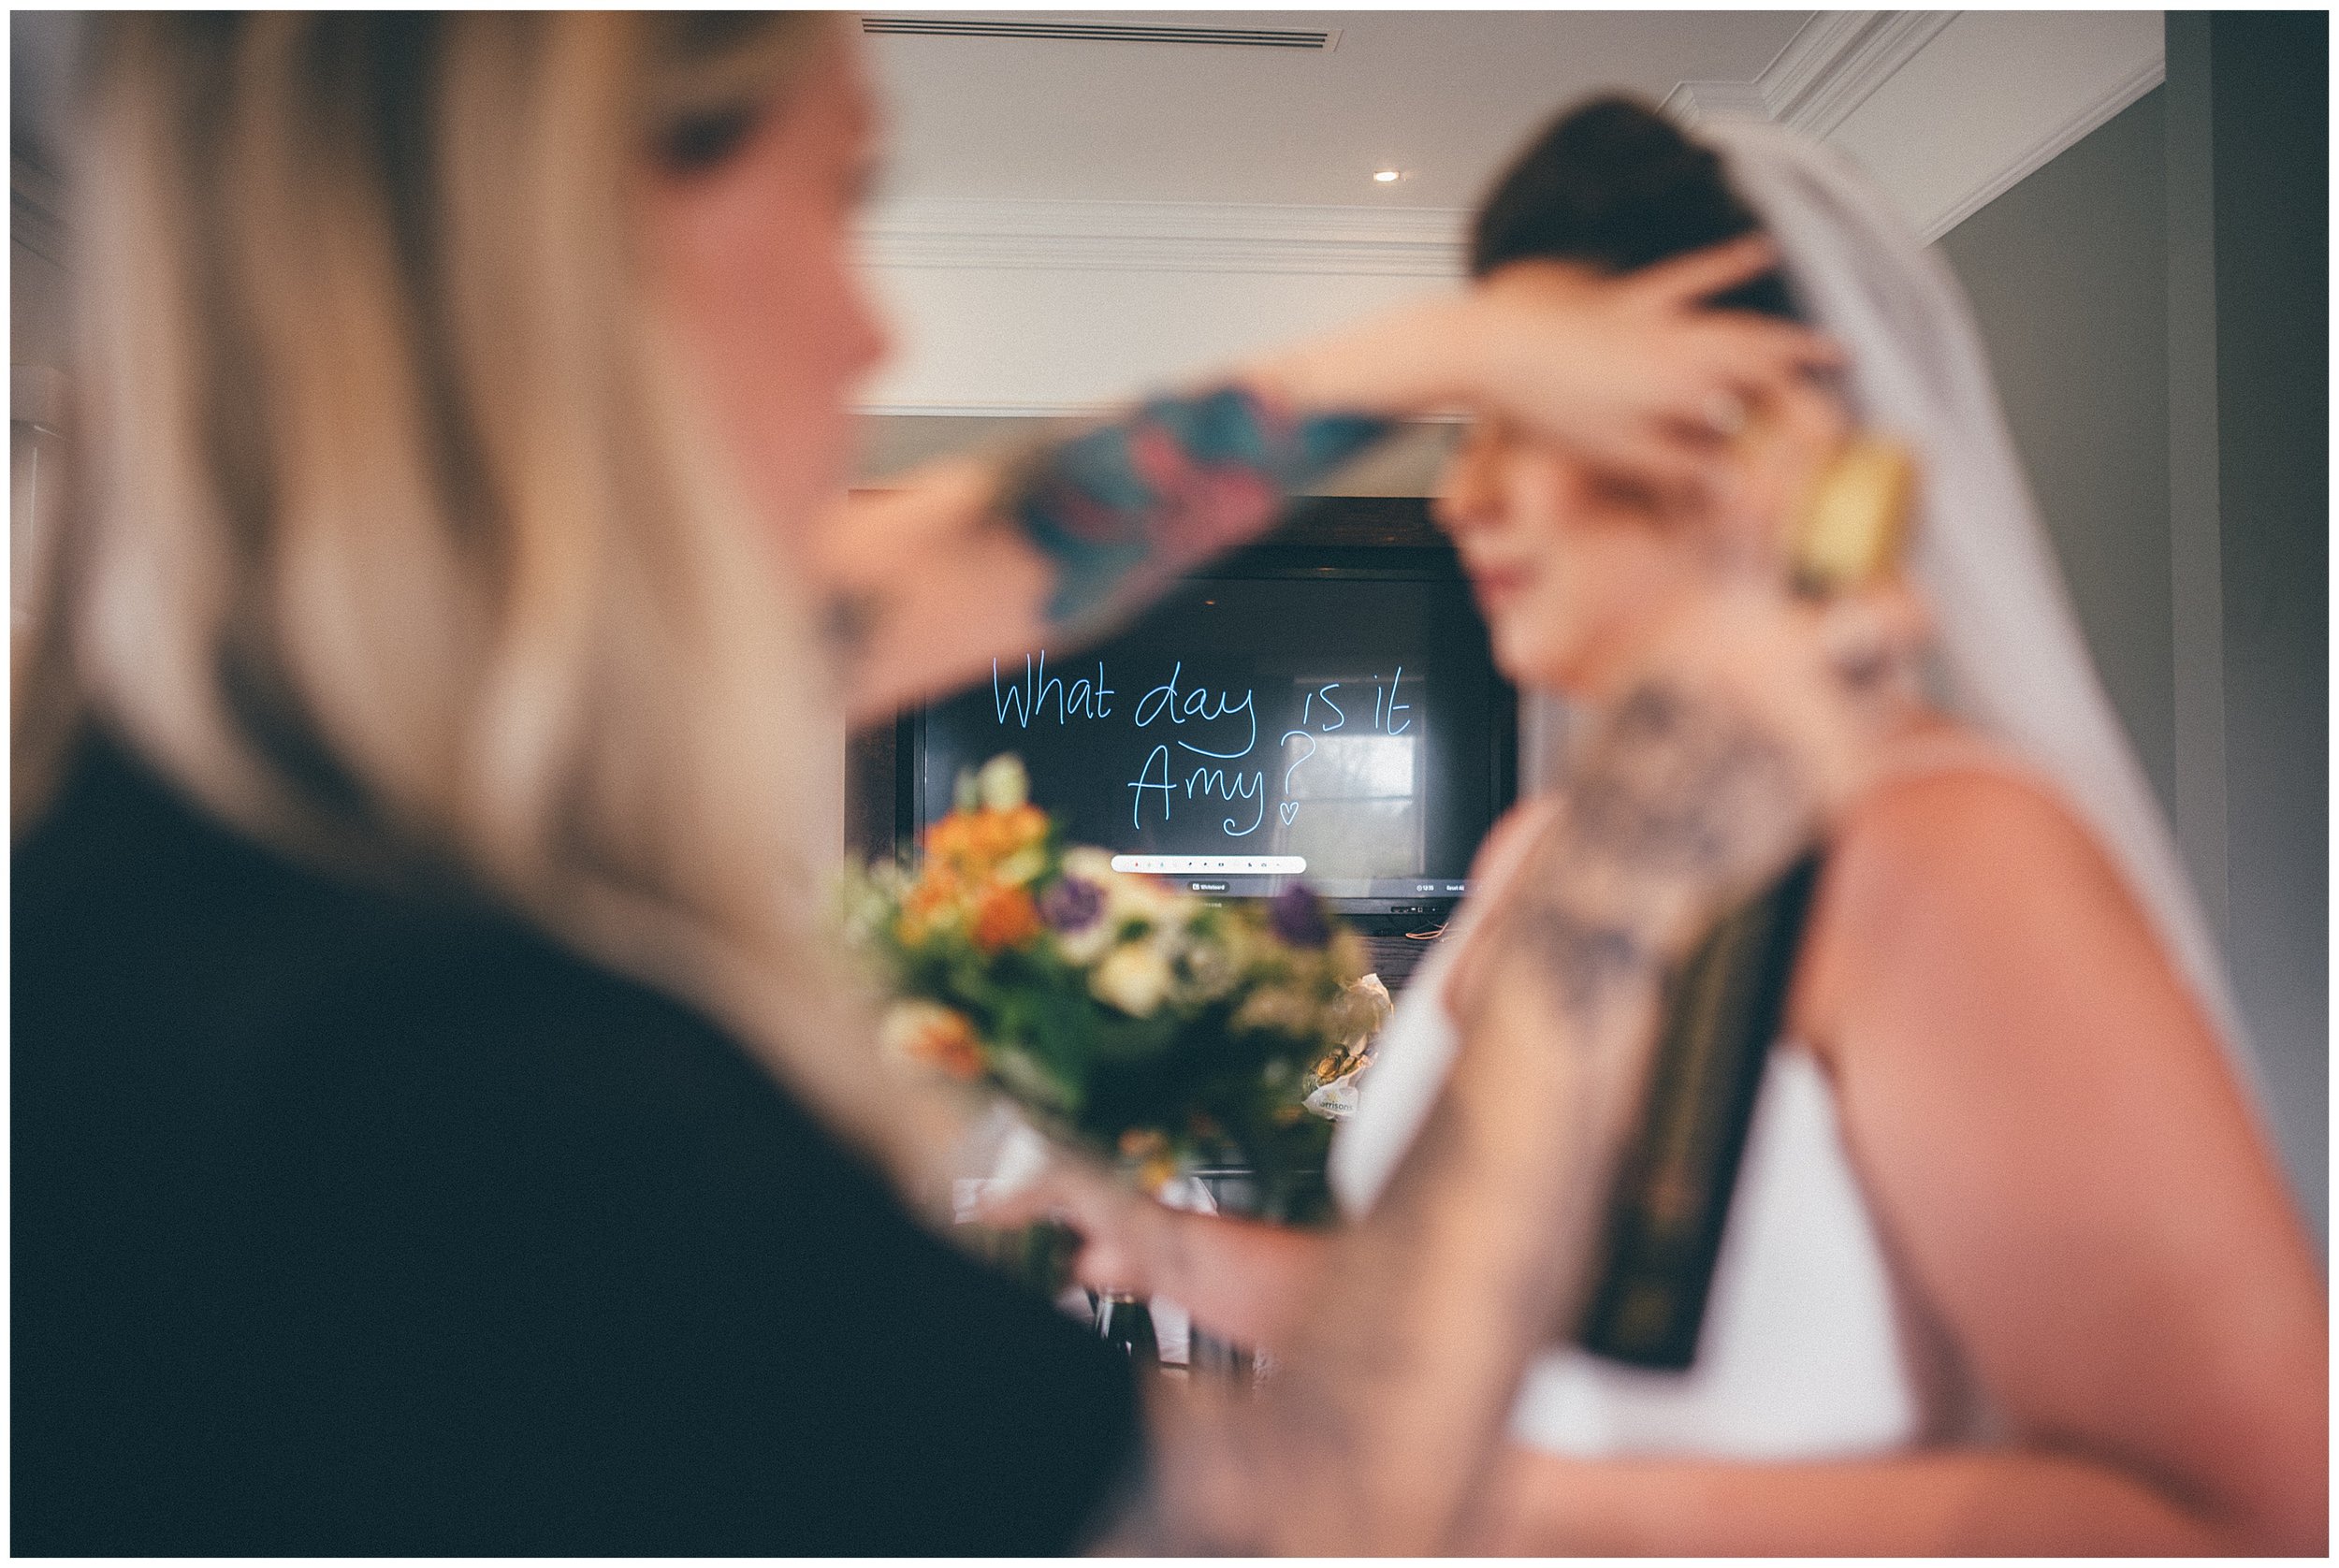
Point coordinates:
[[393, 536]]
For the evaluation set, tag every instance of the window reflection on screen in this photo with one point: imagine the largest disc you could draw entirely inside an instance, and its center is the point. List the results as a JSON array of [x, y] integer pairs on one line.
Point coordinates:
[[1354, 802]]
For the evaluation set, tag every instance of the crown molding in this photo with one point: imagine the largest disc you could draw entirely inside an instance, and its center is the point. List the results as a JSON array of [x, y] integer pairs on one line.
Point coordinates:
[[2065, 134], [1832, 65], [1693, 102], [1167, 237], [1839, 59]]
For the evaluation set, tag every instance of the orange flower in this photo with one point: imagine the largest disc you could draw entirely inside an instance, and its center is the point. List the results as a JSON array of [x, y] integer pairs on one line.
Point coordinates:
[[951, 838], [931, 893], [1027, 825], [933, 900], [973, 842], [936, 1036], [958, 1055], [1156, 1163], [1004, 833], [1006, 918]]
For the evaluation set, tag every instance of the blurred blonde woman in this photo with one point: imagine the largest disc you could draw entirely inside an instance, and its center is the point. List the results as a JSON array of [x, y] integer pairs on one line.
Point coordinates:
[[439, 1125]]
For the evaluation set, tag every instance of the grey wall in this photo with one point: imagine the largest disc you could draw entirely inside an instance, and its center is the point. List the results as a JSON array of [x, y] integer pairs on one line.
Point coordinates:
[[2153, 301], [2267, 91], [2068, 273]]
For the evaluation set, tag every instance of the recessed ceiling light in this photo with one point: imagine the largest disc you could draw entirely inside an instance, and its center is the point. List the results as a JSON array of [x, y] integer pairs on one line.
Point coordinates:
[[1387, 176]]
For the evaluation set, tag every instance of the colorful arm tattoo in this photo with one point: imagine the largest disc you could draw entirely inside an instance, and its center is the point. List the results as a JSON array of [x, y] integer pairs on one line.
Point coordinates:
[[1120, 511]]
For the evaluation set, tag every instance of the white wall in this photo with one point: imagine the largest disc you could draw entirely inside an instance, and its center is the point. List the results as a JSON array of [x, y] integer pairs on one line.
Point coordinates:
[[1042, 307], [1052, 307]]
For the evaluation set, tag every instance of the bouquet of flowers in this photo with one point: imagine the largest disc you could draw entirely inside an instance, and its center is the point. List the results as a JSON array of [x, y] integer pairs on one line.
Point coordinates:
[[1162, 1030]]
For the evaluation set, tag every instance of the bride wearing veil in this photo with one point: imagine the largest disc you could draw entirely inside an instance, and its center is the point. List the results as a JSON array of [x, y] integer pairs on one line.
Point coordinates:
[[2006, 1265]]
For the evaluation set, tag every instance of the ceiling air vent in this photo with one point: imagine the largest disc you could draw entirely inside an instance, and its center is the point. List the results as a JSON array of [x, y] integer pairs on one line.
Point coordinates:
[[1100, 31]]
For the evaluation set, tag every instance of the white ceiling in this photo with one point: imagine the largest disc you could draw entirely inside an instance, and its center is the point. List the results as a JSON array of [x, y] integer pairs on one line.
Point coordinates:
[[1068, 221], [1443, 97]]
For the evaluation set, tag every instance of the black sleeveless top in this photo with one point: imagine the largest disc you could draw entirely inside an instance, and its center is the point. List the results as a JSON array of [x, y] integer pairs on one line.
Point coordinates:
[[347, 1223], [1672, 1196]]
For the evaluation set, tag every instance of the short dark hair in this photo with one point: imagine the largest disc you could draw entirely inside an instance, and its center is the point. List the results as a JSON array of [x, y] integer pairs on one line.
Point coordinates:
[[1615, 184]]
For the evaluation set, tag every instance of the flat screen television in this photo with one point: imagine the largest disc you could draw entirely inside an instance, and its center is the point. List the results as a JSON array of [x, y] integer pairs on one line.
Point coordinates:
[[1331, 716]]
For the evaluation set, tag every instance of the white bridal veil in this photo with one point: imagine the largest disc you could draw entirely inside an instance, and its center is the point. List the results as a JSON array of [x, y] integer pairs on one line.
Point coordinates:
[[2016, 663]]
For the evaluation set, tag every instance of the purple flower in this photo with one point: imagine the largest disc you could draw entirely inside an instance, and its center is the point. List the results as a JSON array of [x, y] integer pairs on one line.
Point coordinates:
[[1072, 904], [1295, 916]]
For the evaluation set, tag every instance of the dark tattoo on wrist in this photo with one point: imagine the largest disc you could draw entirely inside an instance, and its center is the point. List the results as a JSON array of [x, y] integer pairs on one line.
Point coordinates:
[[1679, 797], [1678, 784], [1121, 509], [1587, 960]]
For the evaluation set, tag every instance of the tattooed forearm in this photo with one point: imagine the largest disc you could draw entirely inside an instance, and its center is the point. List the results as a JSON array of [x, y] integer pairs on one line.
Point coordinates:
[[1390, 1406], [1389, 1409], [1121, 509], [971, 558], [1678, 784]]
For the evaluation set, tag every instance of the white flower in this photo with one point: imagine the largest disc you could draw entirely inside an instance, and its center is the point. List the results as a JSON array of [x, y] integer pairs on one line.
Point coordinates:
[[1130, 900], [1003, 785], [1089, 864], [1132, 897], [1128, 896], [1209, 970], [1133, 978], [1086, 945]]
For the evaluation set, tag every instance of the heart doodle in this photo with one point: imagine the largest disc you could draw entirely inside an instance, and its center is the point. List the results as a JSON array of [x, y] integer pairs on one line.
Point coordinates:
[[1287, 810]]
